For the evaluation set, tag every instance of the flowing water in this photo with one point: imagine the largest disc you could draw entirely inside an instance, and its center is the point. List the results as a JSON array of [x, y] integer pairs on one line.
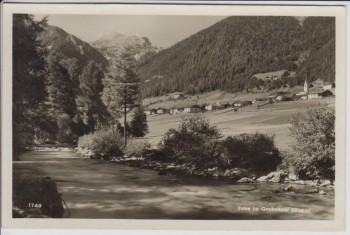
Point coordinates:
[[98, 189]]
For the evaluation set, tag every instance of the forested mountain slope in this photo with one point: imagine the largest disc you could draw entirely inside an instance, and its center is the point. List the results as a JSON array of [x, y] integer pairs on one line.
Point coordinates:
[[57, 40], [227, 54]]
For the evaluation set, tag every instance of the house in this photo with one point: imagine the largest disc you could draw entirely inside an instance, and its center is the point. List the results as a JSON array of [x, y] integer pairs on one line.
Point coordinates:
[[162, 111], [318, 95], [242, 103], [273, 95], [211, 107], [327, 93], [287, 96], [274, 75], [328, 86], [147, 112], [237, 104], [178, 96], [280, 98], [313, 96], [176, 110], [302, 93], [193, 109], [208, 107]]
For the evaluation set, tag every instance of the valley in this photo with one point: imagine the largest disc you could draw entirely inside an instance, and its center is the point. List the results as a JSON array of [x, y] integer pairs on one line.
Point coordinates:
[[270, 119]]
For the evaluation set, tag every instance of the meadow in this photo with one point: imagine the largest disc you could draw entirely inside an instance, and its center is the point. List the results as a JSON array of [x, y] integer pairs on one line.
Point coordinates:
[[270, 119]]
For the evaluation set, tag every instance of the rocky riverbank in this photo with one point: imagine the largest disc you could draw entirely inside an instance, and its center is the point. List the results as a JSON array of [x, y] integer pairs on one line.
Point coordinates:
[[235, 175]]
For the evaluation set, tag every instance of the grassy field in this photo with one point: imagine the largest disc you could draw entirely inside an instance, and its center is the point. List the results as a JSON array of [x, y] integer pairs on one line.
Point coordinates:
[[270, 119]]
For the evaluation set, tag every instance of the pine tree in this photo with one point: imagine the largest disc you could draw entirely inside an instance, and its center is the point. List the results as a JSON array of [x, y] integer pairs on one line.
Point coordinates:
[[28, 78], [59, 86], [89, 104], [138, 125], [121, 88], [61, 97]]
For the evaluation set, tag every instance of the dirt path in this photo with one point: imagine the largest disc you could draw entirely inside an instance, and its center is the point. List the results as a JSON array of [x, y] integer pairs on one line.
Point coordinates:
[[98, 189]]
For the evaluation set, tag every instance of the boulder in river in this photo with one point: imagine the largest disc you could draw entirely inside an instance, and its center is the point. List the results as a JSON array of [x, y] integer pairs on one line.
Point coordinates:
[[325, 183], [277, 177], [292, 176], [286, 188], [302, 182], [322, 192], [245, 180], [263, 178], [311, 191]]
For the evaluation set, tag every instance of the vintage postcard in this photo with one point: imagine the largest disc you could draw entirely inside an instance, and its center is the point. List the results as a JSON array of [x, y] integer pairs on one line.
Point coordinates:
[[164, 116]]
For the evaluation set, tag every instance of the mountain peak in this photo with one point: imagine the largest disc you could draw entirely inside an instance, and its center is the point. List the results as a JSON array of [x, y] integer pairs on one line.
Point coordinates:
[[118, 39], [112, 45]]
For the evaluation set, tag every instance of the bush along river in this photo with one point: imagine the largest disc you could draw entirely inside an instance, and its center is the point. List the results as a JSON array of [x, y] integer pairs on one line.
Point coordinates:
[[136, 189]]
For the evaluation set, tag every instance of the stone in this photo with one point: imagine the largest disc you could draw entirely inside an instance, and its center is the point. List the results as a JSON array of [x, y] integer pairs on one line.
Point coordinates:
[[277, 177], [311, 191], [326, 183], [263, 178], [300, 182], [322, 192], [271, 175], [171, 167], [289, 188], [292, 176], [245, 180], [286, 188]]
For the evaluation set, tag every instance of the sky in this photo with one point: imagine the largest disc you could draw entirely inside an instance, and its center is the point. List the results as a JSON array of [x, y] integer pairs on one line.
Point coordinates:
[[163, 31]]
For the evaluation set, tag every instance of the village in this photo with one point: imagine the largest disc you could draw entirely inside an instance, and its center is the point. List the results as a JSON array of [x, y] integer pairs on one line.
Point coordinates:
[[310, 91]]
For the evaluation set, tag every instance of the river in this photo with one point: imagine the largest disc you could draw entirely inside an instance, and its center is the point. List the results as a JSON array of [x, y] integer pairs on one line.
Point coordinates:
[[99, 189]]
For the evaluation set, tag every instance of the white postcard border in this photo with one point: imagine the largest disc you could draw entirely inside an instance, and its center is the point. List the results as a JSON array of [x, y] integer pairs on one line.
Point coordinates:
[[153, 9]]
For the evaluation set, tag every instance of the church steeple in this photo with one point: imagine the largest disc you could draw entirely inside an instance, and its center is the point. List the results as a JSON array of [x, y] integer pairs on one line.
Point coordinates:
[[306, 85]]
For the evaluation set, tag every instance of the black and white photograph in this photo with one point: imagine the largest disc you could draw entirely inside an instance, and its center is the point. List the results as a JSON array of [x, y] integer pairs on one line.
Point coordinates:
[[174, 117]]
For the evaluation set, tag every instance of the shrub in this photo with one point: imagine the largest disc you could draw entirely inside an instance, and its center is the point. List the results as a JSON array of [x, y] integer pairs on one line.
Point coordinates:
[[195, 142], [105, 142], [160, 155], [138, 124], [256, 152], [137, 148], [313, 154]]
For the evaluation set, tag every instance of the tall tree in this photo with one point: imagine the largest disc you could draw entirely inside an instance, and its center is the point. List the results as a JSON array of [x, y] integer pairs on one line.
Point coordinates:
[[61, 93], [90, 106], [59, 86], [138, 124], [28, 78], [121, 88]]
